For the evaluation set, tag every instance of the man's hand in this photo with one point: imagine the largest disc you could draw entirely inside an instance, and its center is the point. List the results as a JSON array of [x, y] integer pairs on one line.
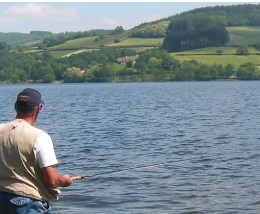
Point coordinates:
[[54, 179]]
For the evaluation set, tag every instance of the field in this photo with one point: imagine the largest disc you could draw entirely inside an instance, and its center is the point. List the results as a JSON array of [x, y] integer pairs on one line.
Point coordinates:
[[213, 50], [91, 43], [243, 35], [67, 53], [224, 60], [86, 42], [139, 42], [209, 56], [238, 36]]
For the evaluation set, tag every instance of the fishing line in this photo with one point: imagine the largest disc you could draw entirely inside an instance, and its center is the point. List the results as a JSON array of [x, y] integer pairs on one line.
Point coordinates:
[[116, 171], [126, 169]]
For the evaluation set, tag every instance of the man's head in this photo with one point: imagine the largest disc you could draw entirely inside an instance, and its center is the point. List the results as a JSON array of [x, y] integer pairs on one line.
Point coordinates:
[[28, 101]]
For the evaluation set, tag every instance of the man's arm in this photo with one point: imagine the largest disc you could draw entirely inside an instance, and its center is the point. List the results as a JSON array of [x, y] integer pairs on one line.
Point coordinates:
[[46, 158], [54, 179]]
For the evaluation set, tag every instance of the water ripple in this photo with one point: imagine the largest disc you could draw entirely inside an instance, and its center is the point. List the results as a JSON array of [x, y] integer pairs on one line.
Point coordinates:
[[206, 133]]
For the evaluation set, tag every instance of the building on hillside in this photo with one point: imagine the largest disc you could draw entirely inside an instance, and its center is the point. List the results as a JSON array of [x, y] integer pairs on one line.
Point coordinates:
[[127, 60]]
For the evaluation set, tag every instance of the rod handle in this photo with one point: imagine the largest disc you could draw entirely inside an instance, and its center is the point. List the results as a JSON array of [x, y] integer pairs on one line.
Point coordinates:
[[75, 178]]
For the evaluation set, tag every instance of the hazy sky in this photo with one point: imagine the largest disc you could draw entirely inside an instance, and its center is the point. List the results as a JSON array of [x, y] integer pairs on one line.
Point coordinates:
[[82, 16]]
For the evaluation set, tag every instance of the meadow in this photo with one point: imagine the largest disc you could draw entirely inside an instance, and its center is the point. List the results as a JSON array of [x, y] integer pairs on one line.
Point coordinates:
[[228, 56], [85, 42], [238, 36], [139, 42], [243, 35]]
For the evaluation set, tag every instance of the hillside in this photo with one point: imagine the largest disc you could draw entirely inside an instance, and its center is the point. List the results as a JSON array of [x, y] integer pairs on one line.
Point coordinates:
[[241, 23], [210, 56], [243, 35], [22, 38], [235, 15], [230, 16], [138, 54]]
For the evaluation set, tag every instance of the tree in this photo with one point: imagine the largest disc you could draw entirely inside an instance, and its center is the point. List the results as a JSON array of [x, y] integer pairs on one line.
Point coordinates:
[[73, 74], [242, 50], [42, 72], [219, 52], [203, 72], [102, 75], [230, 70], [154, 63], [59, 68], [193, 32], [3, 46], [189, 70], [47, 55], [246, 71], [118, 30]]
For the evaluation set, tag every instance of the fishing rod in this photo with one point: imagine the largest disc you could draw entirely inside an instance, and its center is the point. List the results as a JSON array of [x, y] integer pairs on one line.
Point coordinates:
[[125, 169], [116, 171]]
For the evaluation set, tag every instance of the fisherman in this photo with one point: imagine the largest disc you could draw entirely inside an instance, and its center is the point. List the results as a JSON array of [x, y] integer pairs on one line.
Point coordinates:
[[28, 177]]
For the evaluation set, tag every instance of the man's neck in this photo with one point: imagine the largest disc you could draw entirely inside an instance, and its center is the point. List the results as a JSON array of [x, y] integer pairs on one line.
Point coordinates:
[[29, 120]]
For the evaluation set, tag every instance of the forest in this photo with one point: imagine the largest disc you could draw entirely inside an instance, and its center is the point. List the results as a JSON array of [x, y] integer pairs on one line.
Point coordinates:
[[193, 33], [187, 31], [104, 66]]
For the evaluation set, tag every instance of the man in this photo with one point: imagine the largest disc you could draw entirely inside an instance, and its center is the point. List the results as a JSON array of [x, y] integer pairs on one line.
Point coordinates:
[[28, 177]]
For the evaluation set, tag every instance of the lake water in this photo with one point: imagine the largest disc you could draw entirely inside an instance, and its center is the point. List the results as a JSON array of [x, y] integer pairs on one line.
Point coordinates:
[[206, 133]]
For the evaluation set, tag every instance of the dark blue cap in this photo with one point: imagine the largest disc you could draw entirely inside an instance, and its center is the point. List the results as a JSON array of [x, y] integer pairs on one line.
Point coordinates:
[[29, 97]]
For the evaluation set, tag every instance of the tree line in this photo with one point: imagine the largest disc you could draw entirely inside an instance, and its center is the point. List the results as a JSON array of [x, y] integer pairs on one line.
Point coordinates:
[[107, 65], [60, 38], [193, 32], [233, 15]]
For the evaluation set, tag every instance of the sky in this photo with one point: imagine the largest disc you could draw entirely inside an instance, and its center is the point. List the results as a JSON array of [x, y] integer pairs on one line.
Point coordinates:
[[58, 16]]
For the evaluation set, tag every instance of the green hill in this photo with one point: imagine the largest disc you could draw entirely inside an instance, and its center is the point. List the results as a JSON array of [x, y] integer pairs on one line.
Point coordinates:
[[209, 56], [156, 29], [230, 16], [90, 43], [100, 55], [240, 35], [243, 35], [85, 42], [242, 23], [21, 38]]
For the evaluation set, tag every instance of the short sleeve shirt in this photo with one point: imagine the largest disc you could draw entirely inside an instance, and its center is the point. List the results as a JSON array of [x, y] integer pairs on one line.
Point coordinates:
[[44, 151]]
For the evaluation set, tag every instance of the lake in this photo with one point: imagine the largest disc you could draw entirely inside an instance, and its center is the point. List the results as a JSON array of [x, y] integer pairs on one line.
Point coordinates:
[[205, 133]]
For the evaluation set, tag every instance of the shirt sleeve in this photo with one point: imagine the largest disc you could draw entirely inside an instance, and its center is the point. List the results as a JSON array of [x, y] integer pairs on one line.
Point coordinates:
[[44, 151]]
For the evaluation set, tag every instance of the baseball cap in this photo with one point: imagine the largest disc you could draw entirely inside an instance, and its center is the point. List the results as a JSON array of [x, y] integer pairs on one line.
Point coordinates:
[[29, 97]]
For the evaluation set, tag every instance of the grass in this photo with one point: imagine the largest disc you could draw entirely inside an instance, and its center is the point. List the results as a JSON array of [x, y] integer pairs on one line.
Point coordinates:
[[139, 42], [238, 36], [89, 43], [213, 50], [243, 35], [209, 56], [67, 53], [77, 52], [222, 59], [85, 42], [58, 54]]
